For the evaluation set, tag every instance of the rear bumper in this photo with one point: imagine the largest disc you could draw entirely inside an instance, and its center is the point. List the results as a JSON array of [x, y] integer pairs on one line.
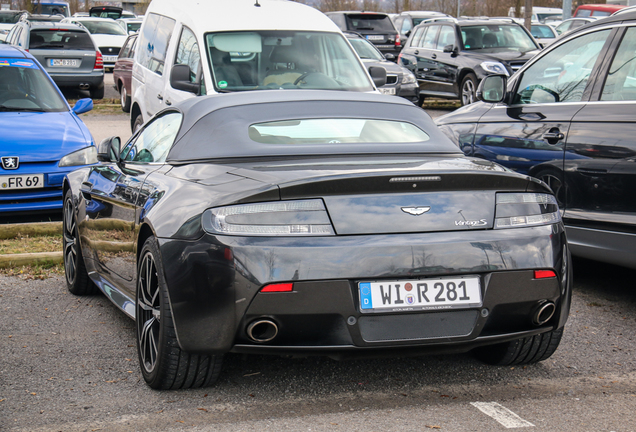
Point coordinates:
[[214, 288], [93, 79]]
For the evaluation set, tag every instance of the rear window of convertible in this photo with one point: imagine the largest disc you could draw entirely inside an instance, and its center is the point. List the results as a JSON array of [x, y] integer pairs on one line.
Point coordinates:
[[335, 130]]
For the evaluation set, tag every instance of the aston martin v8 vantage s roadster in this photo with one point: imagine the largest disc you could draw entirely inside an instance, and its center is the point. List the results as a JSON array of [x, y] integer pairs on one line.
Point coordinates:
[[313, 222]]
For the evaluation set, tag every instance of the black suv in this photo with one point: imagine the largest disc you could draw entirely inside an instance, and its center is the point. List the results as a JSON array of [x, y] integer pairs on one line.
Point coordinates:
[[376, 27], [449, 59], [568, 118], [407, 20]]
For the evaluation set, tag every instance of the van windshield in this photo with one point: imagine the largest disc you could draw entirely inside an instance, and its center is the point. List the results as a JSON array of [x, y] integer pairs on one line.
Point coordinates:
[[277, 59]]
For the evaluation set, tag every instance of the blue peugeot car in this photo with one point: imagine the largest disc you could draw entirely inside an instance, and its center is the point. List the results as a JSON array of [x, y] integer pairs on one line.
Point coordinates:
[[41, 137]]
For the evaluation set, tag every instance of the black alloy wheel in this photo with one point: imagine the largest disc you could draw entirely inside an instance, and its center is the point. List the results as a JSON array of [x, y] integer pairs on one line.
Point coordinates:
[[77, 280], [468, 89], [163, 364]]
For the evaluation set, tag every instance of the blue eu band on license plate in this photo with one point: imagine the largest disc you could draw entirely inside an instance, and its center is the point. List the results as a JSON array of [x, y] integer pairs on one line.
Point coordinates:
[[422, 294]]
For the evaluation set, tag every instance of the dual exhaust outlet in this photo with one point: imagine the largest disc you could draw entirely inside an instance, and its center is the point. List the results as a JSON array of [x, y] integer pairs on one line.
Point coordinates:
[[264, 330], [84, 86]]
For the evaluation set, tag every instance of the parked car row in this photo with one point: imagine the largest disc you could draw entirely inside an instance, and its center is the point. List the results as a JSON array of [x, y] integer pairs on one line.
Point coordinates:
[[567, 118]]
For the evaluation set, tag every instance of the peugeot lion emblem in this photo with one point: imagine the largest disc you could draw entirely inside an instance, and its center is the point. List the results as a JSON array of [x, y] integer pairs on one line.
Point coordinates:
[[415, 211], [10, 162]]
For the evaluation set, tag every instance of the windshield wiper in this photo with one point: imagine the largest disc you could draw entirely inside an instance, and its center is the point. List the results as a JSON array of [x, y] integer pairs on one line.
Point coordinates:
[[365, 28], [5, 108]]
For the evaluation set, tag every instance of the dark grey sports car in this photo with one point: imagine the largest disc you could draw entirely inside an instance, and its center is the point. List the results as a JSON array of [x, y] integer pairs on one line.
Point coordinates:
[[311, 222]]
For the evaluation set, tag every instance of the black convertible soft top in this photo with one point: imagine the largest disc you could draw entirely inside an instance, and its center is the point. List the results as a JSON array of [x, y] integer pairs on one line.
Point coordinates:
[[216, 127]]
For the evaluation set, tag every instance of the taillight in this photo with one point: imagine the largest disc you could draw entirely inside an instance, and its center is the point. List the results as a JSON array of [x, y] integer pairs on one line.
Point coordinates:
[[398, 42], [284, 287], [516, 210], [99, 60], [277, 218]]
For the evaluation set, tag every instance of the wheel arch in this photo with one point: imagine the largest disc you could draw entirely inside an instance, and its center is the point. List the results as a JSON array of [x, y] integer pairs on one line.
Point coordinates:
[[135, 110]]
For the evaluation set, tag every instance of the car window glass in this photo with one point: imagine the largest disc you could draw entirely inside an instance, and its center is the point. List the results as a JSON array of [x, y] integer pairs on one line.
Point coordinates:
[[125, 51], [446, 37], [103, 27], [620, 83], [584, 13], [417, 37], [406, 26], [562, 28], [378, 22], [541, 31], [60, 39], [25, 87], [188, 53], [155, 140], [563, 73], [154, 42], [428, 41], [497, 36]]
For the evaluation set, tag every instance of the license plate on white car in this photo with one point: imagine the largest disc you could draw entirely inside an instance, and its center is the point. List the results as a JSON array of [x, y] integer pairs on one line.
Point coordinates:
[[32, 181], [389, 91], [110, 58], [64, 62], [375, 37], [420, 294]]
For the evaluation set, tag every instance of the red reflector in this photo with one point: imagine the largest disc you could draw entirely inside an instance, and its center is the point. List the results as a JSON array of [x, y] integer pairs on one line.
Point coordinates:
[[286, 287], [544, 274]]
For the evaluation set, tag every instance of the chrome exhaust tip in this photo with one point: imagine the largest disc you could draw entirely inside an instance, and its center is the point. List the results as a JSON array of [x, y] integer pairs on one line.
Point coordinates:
[[84, 86], [543, 313], [262, 330]]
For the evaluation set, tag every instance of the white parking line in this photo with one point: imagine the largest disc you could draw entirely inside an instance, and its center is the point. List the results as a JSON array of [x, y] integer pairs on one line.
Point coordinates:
[[502, 414]]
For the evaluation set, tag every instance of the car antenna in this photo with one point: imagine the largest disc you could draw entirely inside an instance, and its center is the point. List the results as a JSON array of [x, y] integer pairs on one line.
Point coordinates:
[[256, 4]]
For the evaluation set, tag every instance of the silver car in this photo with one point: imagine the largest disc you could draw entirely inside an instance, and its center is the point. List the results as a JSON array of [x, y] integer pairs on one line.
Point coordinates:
[[66, 51]]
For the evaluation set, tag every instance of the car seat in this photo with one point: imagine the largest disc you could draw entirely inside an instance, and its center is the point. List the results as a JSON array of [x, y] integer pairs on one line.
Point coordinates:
[[10, 84], [490, 41], [224, 71], [285, 65]]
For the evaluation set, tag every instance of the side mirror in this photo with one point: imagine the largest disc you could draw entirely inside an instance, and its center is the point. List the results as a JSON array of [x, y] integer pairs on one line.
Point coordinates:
[[180, 79], [108, 150], [389, 56], [83, 105], [451, 49], [378, 75], [492, 89]]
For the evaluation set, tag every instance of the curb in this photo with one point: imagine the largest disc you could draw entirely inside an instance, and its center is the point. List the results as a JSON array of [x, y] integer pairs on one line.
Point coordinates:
[[12, 231], [15, 260], [9, 231]]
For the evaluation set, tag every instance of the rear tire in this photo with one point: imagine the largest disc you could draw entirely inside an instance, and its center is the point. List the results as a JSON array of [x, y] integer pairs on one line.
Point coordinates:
[[420, 100], [163, 364], [138, 123], [521, 351], [96, 93], [468, 89], [124, 99], [77, 280]]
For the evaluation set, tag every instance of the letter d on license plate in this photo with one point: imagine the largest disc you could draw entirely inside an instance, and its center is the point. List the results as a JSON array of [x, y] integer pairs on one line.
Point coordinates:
[[420, 294]]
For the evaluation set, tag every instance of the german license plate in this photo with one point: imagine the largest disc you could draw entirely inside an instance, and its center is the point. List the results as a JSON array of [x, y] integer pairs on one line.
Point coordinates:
[[375, 37], [110, 58], [420, 294], [64, 62], [389, 91], [32, 181]]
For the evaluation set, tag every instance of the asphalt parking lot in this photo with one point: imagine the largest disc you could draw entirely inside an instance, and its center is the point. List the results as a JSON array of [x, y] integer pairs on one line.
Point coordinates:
[[70, 364]]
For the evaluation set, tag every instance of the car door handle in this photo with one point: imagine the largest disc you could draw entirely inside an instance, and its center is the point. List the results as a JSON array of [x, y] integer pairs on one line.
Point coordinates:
[[416, 52], [553, 136], [160, 96], [168, 102], [434, 56]]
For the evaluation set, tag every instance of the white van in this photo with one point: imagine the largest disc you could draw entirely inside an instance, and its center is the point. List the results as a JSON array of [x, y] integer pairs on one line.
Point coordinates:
[[194, 47]]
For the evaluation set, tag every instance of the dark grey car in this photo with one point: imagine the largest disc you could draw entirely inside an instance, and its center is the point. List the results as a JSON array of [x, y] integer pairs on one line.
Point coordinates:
[[66, 51]]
